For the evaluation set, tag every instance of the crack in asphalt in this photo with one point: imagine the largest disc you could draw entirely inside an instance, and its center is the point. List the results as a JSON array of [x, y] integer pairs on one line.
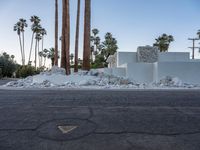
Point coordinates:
[[146, 133]]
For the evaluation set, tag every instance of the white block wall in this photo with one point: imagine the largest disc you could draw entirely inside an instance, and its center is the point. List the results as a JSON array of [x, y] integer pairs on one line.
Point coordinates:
[[173, 64], [189, 72], [126, 57], [174, 57], [118, 72], [141, 72]]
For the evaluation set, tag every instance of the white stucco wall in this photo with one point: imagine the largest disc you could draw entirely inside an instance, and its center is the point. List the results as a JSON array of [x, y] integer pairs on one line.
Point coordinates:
[[141, 72], [189, 72], [175, 64], [118, 72], [155, 72], [174, 57], [126, 57]]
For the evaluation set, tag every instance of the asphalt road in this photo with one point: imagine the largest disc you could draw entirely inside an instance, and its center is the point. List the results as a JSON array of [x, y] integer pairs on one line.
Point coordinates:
[[102, 120], [4, 81]]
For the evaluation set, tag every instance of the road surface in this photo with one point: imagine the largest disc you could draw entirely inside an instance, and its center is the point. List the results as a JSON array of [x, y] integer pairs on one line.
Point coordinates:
[[99, 120]]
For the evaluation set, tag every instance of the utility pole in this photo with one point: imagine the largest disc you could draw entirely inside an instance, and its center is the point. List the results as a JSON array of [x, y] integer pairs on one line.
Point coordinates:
[[193, 47]]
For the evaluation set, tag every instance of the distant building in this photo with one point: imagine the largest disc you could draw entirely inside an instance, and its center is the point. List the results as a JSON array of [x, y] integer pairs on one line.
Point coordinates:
[[149, 65]]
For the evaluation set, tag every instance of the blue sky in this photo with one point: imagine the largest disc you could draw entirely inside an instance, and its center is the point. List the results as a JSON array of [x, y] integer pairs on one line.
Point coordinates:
[[133, 22]]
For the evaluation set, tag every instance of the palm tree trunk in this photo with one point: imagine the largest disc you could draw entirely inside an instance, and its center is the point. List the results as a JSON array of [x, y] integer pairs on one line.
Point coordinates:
[[42, 43], [87, 28], [29, 59], [42, 50], [56, 33], [20, 42], [67, 38], [36, 54], [44, 61], [41, 60], [77, 37], [23, 48], [63, 54]]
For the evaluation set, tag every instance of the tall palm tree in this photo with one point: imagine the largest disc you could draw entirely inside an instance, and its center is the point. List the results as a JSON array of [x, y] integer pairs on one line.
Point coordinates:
[[40, 58], [38, 37], [43, 32], [36, 24], [95, 40], [45, 53], [56, 33], [51, 55], [65, 61], [71, 58], [23, 25], [62, 38], [77, 37], [87, 28], [17, 28]]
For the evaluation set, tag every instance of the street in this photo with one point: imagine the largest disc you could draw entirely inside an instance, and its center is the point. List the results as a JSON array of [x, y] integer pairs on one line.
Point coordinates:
[[99, 120]]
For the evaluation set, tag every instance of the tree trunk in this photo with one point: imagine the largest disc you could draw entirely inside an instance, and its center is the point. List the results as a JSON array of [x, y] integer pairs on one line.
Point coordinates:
[[42, 49], [20, 42], [35, 54], [66, 37], [23, 48], [44, 61], [42, 43], [52, 62], [29, 59], [77, 37], [56, 33], [41, 60], [87, 28], [63, 54], [38, 53]]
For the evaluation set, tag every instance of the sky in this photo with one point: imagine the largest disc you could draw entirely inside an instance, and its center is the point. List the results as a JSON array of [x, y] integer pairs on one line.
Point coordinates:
[[132, 22]]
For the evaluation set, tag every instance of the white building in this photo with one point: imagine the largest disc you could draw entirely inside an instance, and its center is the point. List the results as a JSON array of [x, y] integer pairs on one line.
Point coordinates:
[[148, 65]]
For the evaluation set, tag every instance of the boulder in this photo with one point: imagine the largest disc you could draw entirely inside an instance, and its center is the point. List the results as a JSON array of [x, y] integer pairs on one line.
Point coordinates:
[[147, 54]]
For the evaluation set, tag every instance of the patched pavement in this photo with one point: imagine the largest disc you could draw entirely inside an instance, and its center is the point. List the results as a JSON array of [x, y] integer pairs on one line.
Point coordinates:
[[99, 120]]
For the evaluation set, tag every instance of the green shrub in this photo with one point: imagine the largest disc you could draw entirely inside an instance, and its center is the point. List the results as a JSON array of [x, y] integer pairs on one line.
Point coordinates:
[[1, 75], [7, 65], [25, 71]]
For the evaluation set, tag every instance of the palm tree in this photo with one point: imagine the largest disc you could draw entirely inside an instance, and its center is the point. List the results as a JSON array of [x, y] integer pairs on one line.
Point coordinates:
[[51, 55], [56, 33], [71, 58], [95, 40], [43, 32], [17, 28], [77, 37], [23, 25], [12, 57], [62, 38], [40, 58], [163, 42], [45, 53], [38, 37], [65, 61], [35, 26], [87, 27]]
